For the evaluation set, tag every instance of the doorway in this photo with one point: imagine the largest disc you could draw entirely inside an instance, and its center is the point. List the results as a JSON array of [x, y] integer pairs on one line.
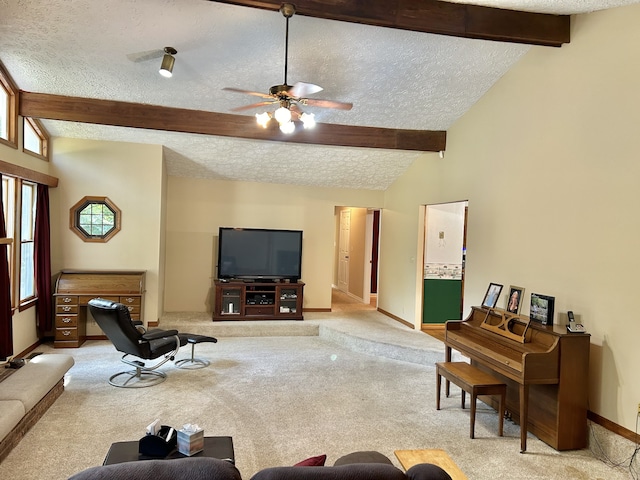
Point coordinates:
[[444, 262], [357, 254]]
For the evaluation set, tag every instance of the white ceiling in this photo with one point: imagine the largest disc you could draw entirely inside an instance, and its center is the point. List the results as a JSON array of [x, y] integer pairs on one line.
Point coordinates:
[[394, 78]]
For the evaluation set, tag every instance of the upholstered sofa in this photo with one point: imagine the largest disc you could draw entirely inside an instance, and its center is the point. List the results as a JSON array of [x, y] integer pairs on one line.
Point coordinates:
[[206, 468], [27, 393]]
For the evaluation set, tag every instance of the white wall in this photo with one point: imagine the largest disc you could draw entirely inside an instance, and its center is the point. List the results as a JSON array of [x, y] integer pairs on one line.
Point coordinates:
[[131, 176], [548, 160], [448, 219]]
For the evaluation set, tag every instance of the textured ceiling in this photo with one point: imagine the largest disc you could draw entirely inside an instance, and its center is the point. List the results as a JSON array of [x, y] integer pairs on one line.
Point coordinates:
[[394, 78]]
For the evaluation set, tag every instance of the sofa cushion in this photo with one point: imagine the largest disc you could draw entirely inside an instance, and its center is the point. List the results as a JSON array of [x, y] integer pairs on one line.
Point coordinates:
[[33, 381], [11, 412], [317, 461], [356, 471], [191, 468]]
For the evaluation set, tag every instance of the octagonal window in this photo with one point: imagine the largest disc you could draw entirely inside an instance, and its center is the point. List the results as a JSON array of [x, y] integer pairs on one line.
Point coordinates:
[[95, 219]]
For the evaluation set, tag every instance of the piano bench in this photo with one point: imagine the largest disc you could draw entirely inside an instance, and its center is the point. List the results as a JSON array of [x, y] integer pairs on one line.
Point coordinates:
[[476, 382]]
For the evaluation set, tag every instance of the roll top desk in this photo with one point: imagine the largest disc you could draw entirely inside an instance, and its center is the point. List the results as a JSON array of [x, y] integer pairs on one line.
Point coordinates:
[[74, 289]]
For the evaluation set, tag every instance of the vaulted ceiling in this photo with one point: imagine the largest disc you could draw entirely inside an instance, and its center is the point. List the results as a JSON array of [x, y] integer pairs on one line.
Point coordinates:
[[410, 68]]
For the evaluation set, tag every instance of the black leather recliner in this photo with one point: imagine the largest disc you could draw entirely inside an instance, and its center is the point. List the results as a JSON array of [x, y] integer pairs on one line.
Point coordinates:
[[114, 319]]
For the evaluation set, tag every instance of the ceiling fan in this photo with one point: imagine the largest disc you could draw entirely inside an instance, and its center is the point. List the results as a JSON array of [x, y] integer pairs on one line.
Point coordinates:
[[288, 97]]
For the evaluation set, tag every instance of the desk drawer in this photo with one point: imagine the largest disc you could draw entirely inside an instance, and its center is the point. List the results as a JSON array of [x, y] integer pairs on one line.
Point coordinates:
[[84, 299], [66, 309], [66, 334], [66, 321], [67, 300], [129, 300]]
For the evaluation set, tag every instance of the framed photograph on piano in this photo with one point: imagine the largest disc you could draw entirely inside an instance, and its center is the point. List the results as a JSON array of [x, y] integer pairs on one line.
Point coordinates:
[[514, 299], [491, 297], [541, 309]]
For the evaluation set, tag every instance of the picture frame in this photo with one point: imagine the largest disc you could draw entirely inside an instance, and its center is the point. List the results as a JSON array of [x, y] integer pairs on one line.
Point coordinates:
[[514, 299], [491, 297], [542, 308]]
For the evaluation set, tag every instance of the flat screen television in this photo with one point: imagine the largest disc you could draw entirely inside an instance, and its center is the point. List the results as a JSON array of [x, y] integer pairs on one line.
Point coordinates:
[[259, 254]]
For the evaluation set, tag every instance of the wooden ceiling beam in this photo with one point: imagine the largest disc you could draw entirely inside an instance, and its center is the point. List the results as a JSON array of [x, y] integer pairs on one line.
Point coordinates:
[[434, 16], [155, 117]]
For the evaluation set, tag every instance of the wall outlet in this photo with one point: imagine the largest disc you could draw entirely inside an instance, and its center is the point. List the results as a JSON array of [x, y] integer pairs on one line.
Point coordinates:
[[639, 409]]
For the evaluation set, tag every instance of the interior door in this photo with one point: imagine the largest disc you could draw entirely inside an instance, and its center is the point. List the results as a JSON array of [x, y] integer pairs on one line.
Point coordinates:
[[343, 250]]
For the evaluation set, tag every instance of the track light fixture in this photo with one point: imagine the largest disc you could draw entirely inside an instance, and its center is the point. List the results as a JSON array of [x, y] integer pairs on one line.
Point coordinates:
[[166, 68]]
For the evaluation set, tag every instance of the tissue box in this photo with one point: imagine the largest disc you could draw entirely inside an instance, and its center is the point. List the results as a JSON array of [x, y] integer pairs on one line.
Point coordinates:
[[190, 442]]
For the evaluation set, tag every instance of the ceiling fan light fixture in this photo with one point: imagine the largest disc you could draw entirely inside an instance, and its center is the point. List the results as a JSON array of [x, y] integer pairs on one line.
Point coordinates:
[[166, 68], [282, 115], [287, 127], [263, 119], [308, 120]]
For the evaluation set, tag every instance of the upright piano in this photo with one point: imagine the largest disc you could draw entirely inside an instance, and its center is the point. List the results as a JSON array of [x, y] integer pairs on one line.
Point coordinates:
[[545, 369]]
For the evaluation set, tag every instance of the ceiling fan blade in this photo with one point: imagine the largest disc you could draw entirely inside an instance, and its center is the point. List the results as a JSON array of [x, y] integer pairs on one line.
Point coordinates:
[[138, 57], [302, 89], [248, 92], [253, 105], [316, 102]]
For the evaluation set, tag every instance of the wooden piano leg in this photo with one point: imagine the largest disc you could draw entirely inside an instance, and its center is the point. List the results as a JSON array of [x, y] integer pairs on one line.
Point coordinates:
[[524, 414], [438, 383], [447, 358]]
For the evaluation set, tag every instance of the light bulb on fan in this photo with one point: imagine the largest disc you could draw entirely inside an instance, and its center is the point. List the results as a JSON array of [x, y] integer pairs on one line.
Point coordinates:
[[308, 120], [282, 115], [287, 127], [263, 119]]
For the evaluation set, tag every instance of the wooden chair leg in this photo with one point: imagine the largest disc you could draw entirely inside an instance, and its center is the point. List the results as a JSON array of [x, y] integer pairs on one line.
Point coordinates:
[[438, 382]]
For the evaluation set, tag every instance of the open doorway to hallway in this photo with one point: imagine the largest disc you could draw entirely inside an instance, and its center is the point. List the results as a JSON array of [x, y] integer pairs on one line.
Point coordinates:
[[356, 255]]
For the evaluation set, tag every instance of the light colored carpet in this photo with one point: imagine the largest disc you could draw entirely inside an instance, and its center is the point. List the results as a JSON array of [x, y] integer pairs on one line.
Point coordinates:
[[285, 398]]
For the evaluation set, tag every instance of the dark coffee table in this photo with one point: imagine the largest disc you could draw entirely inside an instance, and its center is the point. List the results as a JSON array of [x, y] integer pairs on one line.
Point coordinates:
[[216, 447]]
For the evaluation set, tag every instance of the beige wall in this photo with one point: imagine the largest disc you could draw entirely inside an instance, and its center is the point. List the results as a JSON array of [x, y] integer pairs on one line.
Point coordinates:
[[197, 208], [548, 160], [131, 176]]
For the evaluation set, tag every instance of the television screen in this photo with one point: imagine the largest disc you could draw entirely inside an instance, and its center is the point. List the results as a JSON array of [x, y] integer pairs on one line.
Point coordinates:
[[254, 253]]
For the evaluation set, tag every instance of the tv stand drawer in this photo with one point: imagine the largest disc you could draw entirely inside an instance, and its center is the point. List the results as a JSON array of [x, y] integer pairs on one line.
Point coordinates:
[[250, 310]]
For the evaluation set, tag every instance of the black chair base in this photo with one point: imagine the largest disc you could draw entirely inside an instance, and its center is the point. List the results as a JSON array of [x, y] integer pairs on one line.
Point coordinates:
[[193, 363]]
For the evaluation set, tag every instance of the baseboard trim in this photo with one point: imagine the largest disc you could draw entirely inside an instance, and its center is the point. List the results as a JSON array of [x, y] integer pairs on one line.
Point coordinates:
[[613, 427], [394, 317], [316, 310]]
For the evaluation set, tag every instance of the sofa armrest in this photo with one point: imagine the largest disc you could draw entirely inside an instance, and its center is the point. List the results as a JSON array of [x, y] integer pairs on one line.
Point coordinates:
[[427, 471]]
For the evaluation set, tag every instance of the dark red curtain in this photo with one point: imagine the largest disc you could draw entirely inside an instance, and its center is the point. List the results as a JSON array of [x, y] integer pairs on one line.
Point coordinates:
[[42, 253], [6, 330]]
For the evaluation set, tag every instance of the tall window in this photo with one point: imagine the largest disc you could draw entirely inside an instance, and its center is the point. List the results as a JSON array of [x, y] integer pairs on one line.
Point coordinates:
[[8, 200], [19, 198], [27, 246]]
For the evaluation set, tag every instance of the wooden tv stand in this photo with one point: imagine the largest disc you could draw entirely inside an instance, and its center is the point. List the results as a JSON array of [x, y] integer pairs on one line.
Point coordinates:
[[238, 300]]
